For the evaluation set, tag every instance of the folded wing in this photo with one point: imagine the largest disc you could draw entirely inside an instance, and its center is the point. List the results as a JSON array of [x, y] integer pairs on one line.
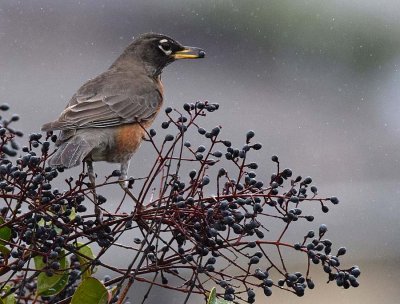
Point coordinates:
[[102, 110]]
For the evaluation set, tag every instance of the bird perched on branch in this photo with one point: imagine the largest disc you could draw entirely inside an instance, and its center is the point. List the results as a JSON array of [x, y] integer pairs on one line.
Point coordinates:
[[106, 119]]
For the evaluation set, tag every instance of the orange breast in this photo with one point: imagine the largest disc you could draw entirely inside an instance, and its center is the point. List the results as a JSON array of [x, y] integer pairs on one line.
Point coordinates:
[[128, 139]]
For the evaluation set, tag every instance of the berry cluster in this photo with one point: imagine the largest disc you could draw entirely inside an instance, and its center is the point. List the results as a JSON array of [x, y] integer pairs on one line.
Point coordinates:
[[203, 212]]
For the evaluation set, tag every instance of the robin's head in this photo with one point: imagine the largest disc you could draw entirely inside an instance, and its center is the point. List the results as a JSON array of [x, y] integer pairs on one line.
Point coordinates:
[[157, 51]]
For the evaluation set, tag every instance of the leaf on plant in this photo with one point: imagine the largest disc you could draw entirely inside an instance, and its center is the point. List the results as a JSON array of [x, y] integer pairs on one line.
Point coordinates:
[[5, 251], [10, 299], [72, 216], [85, 257], [42, 223], [51, 285], [5, 232], [212, 298], [90, 291]]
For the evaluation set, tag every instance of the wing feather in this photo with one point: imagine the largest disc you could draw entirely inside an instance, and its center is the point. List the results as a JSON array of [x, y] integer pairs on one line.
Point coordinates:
[[110, 99], [106, 111]]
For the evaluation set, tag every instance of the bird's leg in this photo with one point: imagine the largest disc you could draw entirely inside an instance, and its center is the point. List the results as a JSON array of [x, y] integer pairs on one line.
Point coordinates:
[[91, 174], [92, 178], [124, 185], [124, 175]]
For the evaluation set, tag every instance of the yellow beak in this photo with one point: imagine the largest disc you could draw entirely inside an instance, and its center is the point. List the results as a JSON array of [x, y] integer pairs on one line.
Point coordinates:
[[189, 53]]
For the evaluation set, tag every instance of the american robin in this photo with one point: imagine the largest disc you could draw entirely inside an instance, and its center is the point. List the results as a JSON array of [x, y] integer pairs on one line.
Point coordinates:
[[104, 120]]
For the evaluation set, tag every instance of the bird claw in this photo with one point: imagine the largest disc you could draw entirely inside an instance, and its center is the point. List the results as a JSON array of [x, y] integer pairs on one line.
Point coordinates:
[[123, 181], [99, 215], [124, 184]]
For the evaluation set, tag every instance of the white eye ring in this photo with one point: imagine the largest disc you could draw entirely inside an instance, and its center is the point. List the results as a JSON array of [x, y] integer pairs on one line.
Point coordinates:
[[167, 52]]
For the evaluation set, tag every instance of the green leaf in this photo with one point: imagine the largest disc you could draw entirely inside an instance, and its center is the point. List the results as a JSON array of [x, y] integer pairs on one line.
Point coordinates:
[[51, 285], [5, 232], [72, 216], [90, 291], [5, 251], [58, 286], [212, 298], [10, 299], [85, 257], [42, 223]]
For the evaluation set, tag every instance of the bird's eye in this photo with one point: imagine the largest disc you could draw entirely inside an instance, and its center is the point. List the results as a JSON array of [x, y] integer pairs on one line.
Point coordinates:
[[165, 46]]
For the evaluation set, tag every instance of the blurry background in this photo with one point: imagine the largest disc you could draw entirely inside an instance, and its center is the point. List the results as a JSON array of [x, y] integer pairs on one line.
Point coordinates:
[[317, 80]]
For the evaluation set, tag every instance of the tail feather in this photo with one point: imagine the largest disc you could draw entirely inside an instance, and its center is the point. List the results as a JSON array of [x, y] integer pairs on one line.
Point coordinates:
[[70, 153]]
